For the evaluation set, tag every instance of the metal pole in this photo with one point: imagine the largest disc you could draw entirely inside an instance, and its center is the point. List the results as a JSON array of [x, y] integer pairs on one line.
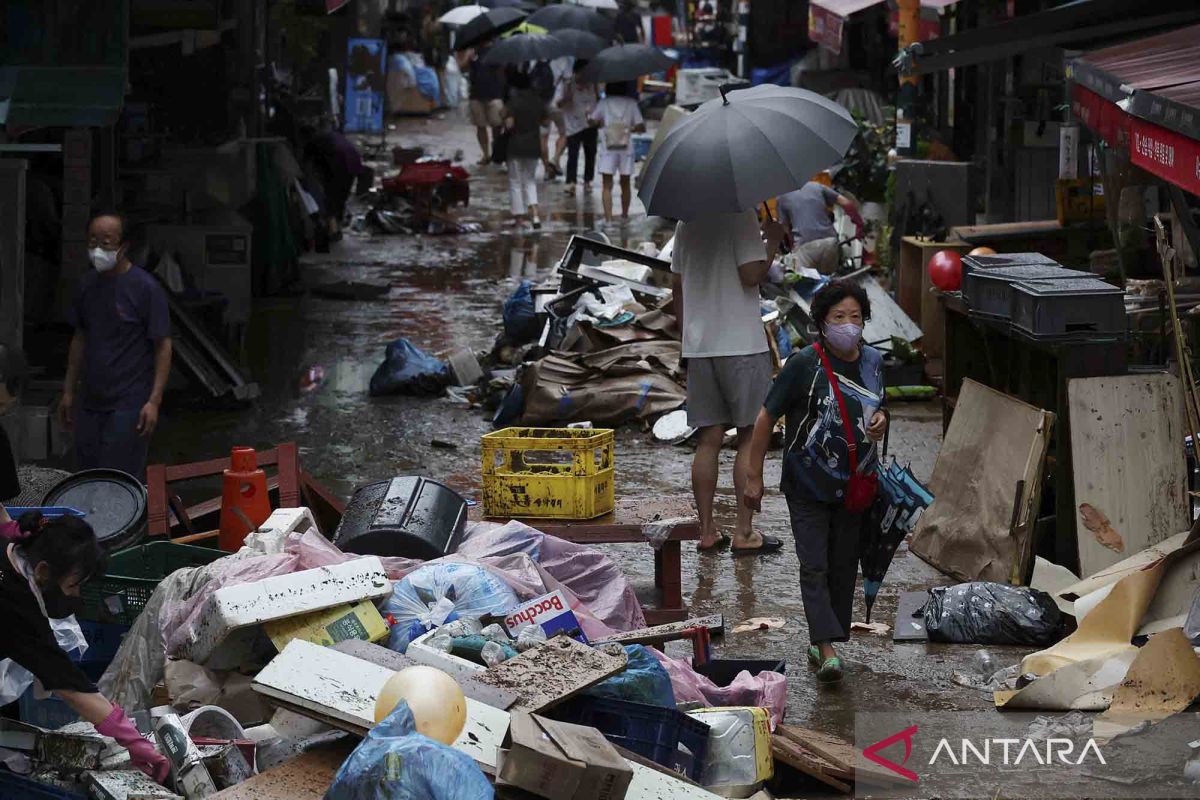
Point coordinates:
[[906, 100]]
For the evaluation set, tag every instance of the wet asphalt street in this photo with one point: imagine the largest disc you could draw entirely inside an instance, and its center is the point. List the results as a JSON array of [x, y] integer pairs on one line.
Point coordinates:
[[446, 293]]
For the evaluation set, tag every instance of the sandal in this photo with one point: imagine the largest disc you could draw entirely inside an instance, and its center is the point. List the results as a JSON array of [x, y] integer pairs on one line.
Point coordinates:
[[814, 656], [770, 544], [830, 671], [722, 542]]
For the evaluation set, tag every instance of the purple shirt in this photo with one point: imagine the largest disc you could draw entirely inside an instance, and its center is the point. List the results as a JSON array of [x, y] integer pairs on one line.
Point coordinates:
[[121, 317]]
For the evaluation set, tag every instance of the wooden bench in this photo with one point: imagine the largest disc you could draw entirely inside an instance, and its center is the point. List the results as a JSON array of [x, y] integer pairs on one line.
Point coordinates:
[[625, 526]]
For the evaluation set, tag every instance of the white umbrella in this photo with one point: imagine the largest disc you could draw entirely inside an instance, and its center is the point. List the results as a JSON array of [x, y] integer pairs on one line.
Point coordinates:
[[610, 5], [461, 15]]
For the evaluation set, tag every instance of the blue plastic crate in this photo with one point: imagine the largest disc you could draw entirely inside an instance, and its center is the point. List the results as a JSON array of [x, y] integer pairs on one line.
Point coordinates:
[[47, 511], [14, 786], [103, 638], [663, 735]]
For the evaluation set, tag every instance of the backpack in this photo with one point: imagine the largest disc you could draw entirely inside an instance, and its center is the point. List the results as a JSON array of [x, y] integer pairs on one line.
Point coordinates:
[[541, 80]]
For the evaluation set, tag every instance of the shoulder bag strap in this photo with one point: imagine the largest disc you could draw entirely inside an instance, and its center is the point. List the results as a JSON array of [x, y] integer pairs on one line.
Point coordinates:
[[837, 393]]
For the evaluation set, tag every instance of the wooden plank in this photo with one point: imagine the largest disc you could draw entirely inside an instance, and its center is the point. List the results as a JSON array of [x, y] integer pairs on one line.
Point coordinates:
[[550, 673], [906, 627], [305, 777], [1129, 464], [660, 633], [807, 762], [383, 657], [849, 763]]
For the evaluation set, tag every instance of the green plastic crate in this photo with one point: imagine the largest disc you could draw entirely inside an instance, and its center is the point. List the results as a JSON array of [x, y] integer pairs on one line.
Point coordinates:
[[133, 575]]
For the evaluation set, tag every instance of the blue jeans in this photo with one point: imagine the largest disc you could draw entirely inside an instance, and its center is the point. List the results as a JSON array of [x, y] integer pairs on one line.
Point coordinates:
[[110, 440]]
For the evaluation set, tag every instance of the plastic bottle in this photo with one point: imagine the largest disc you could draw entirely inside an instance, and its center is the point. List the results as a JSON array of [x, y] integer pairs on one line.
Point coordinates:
[[985, 665], [530, 636], [492, 654], [495, 633]]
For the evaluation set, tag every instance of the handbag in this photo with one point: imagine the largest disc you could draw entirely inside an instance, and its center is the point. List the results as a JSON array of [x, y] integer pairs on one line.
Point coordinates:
[[616, 135], [860, 491]]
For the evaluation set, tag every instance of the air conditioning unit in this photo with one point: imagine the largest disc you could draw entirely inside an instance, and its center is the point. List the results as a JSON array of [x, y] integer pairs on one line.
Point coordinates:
[[215, 258]]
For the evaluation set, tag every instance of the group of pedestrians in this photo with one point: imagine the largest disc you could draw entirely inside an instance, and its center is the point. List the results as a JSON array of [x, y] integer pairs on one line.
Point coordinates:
[[514, 111]]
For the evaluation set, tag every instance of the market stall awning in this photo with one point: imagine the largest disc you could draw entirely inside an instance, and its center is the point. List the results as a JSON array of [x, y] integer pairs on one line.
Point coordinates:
[[32, 97], [1144, 96], [826, 18], [1071, 24]]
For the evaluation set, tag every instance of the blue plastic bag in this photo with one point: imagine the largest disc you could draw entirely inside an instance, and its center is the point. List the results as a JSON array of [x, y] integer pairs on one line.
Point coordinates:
[[407, 369], [644, 680], [432, 595], [395, 762], [520, 318]]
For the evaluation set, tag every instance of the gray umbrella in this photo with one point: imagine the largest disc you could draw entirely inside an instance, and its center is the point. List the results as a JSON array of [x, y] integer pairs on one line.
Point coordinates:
[[524, 47], [734, 152], [562, 17], [625, 62], [583, 44]]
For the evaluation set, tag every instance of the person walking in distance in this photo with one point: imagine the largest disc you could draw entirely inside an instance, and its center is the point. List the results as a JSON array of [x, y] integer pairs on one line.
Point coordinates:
[[577, 100], [120, 355], [524, 115], [487, 101], [718, 263], [618, 117]]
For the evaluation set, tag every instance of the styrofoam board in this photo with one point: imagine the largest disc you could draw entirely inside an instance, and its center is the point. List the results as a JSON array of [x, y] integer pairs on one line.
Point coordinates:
[[290, 520], [283, 596], [341, 688], [447, 662]]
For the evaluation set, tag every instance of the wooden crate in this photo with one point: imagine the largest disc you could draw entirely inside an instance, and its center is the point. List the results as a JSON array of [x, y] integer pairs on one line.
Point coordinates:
[[916, 295]]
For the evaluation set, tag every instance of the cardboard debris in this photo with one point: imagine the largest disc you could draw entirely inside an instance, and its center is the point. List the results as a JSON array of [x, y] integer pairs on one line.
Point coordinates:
[[1129, 469], [1163, 680], [561, 761], [552, 612], [228, 623], [994, 444], [758, 624], [876, 628], [550, 673], [1086, 685], [1052, 578], [306, 777], [359, 620]]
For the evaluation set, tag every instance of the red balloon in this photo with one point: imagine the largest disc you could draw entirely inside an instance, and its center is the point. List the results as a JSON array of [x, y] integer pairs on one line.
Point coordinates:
[[945, 270]]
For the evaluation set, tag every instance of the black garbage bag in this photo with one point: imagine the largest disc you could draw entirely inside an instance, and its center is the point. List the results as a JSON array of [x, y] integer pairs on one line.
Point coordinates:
[[982, 612], [407, 369]]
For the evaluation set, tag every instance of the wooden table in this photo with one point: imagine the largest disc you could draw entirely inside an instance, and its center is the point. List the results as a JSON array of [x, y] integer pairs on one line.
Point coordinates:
[[624, 526]]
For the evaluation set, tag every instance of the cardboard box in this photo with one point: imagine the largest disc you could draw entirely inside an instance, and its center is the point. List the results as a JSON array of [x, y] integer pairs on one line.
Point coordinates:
[[551, 611], [360, 620], [561, 761]]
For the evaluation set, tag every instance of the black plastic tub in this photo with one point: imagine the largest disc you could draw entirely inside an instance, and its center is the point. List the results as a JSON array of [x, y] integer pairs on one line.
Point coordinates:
[[722, 671]]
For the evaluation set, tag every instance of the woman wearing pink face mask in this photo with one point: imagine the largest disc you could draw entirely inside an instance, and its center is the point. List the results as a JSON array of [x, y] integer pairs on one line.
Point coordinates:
[[831, 394]]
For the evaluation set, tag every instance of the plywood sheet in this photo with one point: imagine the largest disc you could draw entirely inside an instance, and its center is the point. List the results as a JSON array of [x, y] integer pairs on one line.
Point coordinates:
[[305, 777], [797, 757], [550, 673], [1127, 454], [994, 442]]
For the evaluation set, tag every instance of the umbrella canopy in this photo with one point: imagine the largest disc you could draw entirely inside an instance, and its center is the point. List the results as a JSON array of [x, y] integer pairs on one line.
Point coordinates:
[[524, 27], [526, 47], [556, 18], [488, 26], [892, 517], [461, 15], [608, 5], [745, 147], [583, 45], [625, 62], [502, 3]]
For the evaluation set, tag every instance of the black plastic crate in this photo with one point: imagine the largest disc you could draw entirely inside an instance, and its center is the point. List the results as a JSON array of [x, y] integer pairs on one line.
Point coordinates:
[[988, 293], [999, 260], [667, 737], [722, 671], [1070, 310]]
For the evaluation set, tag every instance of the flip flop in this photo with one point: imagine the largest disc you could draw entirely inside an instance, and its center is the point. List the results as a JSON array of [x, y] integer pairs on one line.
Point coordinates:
[[770, 544], [814, 656], [830, 671], [722, 542]]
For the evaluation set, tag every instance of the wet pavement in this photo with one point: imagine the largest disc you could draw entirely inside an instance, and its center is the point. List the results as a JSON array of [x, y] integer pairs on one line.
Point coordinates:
[[447, 293]]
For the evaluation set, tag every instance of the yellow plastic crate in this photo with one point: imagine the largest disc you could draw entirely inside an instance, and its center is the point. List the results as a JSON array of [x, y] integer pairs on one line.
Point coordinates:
[[558, 473]]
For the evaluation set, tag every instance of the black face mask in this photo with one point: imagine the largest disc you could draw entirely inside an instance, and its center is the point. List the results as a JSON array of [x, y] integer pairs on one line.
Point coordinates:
[[60, 605]]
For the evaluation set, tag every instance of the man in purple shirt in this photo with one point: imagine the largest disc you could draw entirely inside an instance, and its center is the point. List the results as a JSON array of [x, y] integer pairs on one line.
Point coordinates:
[[120, 355]]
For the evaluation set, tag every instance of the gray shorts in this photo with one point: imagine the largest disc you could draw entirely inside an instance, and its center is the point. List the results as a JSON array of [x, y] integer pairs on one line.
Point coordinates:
[[727, 390]]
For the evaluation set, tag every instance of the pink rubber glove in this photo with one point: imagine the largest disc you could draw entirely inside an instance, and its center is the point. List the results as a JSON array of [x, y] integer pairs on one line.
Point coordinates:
[[11, 532], [141, 751]]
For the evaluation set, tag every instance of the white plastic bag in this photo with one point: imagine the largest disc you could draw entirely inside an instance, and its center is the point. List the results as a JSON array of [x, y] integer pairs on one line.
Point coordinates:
[[15, 679]]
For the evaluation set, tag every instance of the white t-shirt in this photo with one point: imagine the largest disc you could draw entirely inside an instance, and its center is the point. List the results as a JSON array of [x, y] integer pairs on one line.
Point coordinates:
[[721, 316], [581, 99], [617, 109]]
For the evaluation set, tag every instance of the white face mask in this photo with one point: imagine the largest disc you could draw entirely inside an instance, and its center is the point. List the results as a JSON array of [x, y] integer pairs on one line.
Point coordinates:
[[103, 260]]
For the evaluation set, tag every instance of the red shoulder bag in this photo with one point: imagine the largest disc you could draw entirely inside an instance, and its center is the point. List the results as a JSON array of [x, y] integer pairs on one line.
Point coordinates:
[[860, 491]]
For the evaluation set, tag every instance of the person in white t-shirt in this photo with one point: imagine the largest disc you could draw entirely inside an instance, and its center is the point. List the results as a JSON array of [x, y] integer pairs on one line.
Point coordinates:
[[718, 262], [618, 117], [577, 99]]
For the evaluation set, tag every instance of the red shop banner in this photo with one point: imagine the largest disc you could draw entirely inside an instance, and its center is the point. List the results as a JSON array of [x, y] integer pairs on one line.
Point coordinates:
[[825, 28], [1100, 115], [1171, 156]]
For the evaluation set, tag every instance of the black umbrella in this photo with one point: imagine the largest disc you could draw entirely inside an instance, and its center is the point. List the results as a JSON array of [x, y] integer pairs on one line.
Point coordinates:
[[487, 26], [526, 47], [625, 62], [583, 45], [556, 18]]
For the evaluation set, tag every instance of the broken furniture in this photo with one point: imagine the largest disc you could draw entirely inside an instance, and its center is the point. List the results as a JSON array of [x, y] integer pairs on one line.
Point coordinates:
[[582, 266], [204, 359], [292, 486], [996, 355], [628, 523]]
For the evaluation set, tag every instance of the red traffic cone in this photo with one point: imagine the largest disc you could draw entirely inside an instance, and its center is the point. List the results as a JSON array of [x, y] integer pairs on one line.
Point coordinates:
[[245, 503]]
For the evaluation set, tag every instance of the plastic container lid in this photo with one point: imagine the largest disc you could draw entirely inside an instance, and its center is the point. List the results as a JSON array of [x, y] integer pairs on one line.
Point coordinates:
[[113, 503]]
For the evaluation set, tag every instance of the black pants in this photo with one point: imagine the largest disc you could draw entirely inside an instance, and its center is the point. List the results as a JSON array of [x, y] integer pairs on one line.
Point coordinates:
[[826, 537], [587, 138]]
